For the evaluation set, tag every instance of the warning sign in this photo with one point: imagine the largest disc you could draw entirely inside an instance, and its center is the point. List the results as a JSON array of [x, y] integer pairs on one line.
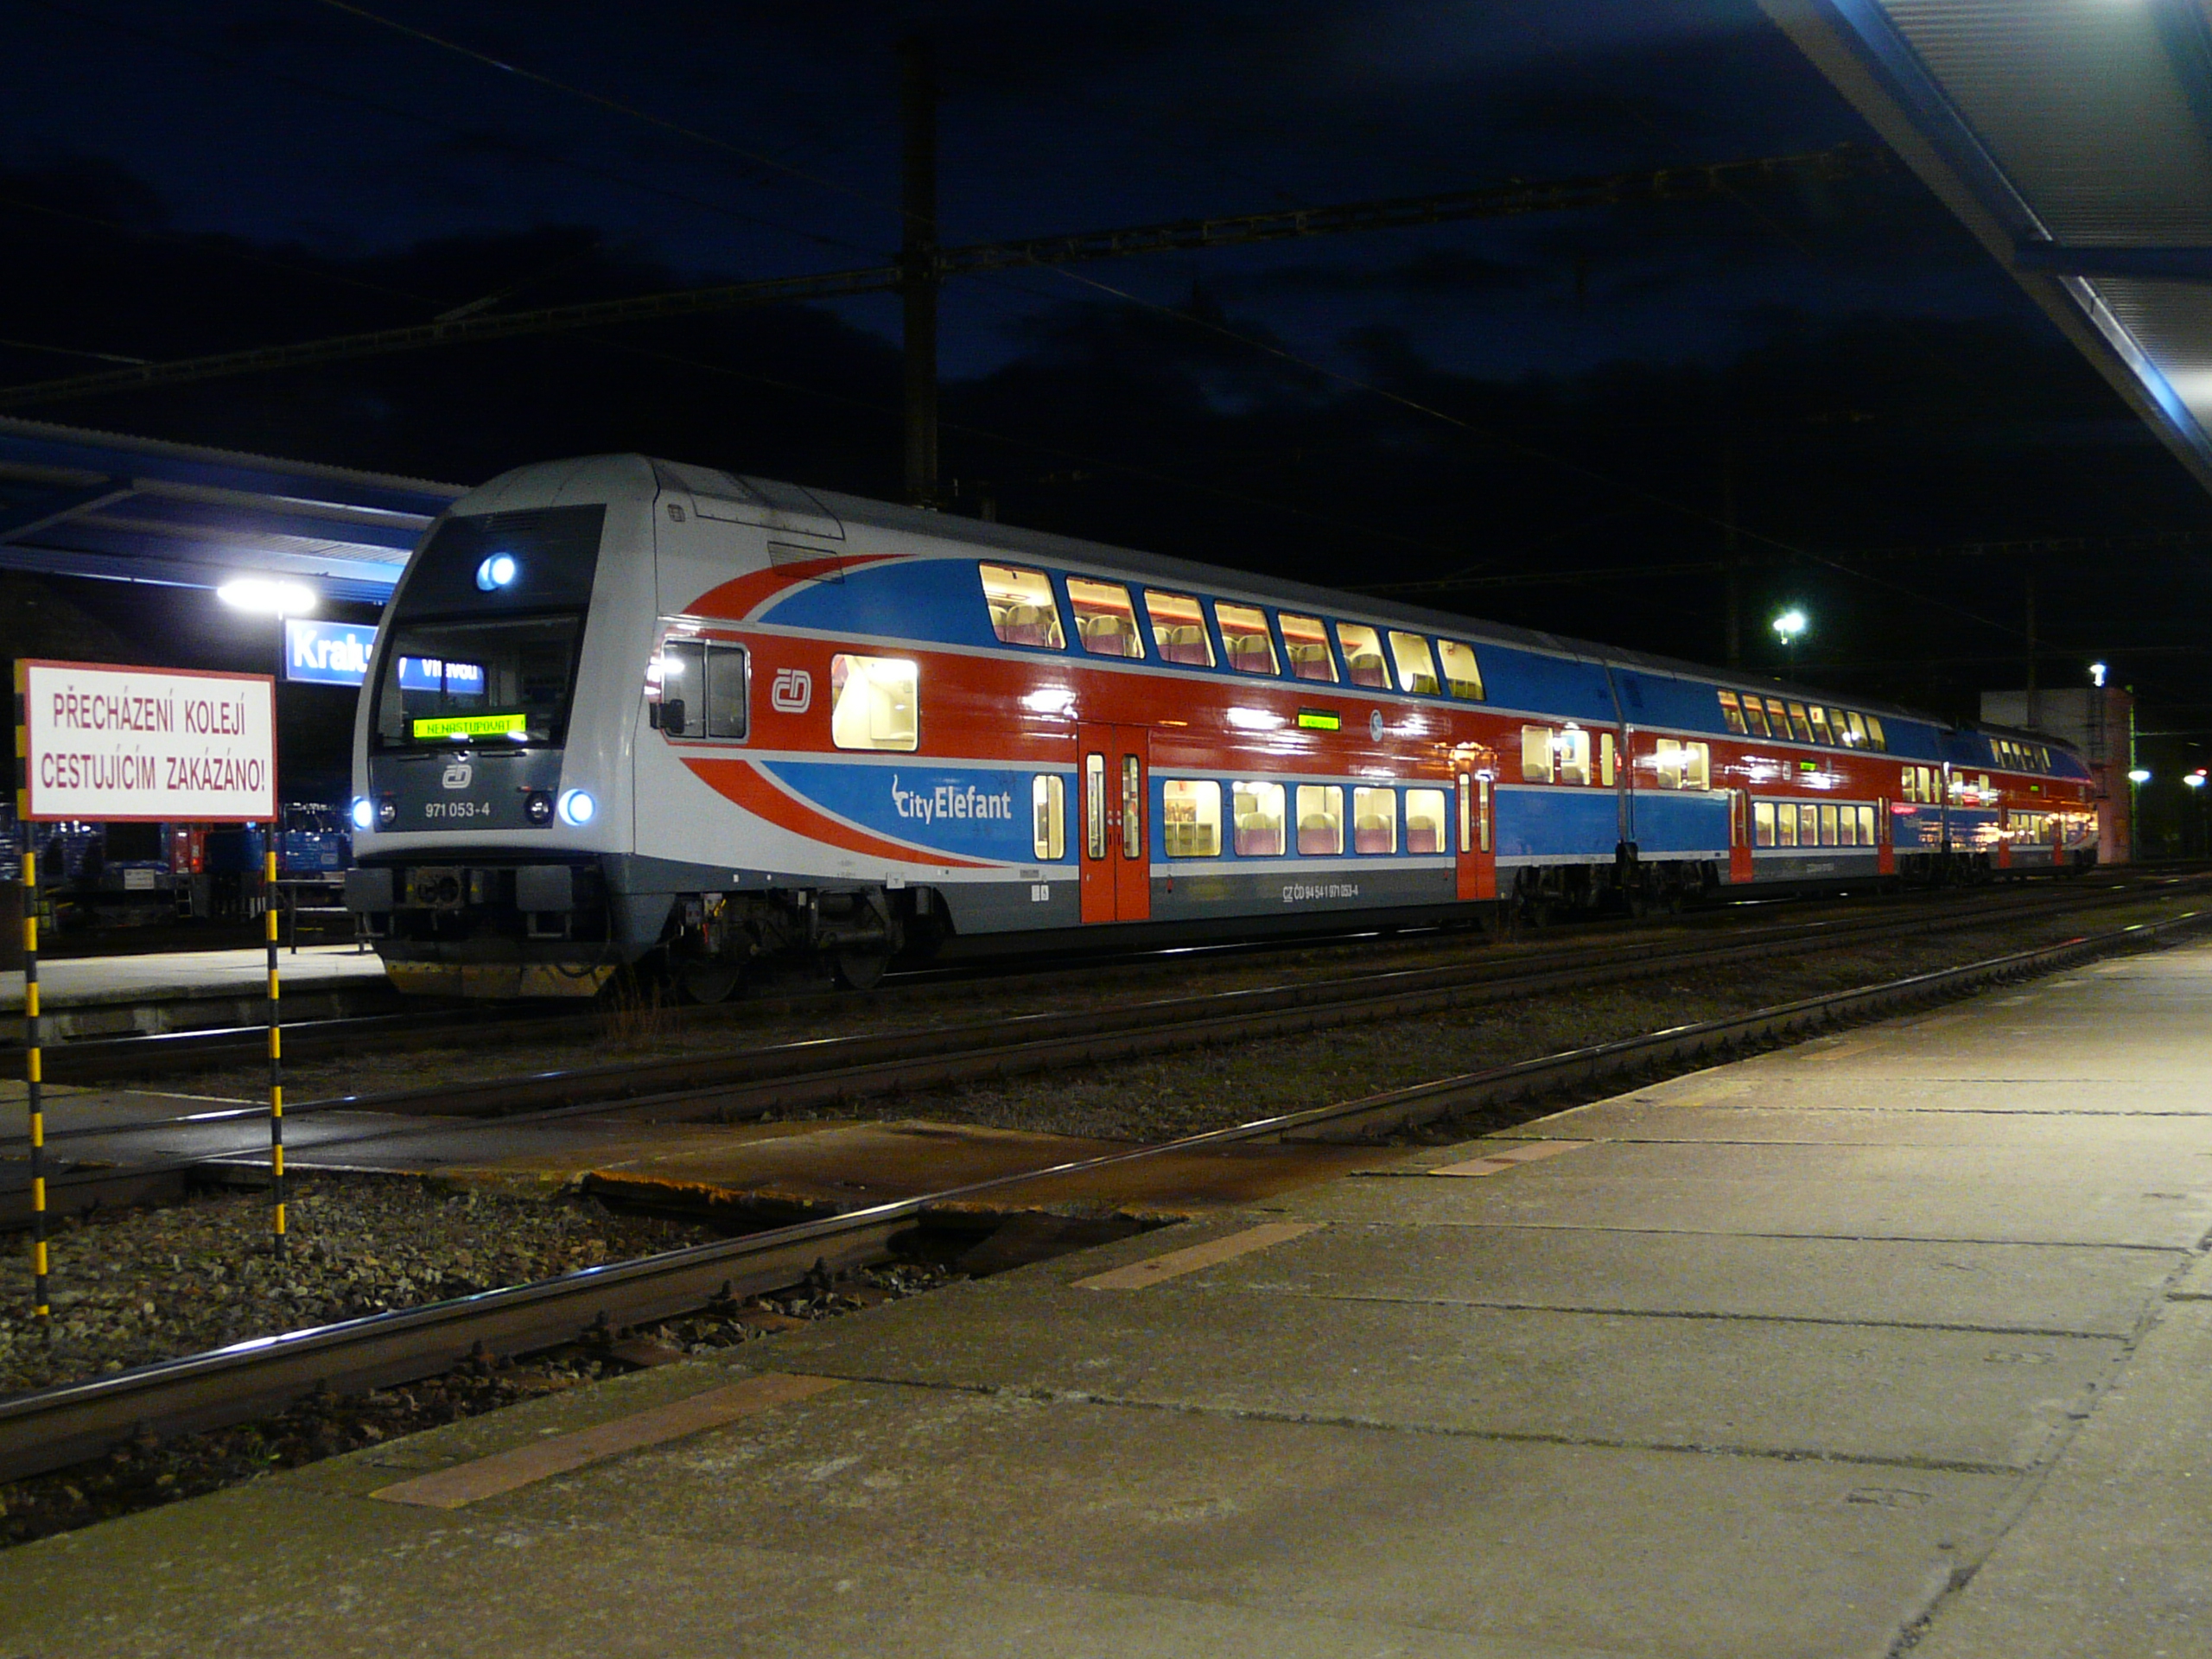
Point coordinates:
[[105, 742]]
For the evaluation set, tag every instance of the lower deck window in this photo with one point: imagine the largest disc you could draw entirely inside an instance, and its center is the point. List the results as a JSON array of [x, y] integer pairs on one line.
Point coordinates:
[[1189, 818], [1321, 820], [1259, 820], [1425, 821], [1048, 796], [875, 703], [1375, 820], [1762, 823]]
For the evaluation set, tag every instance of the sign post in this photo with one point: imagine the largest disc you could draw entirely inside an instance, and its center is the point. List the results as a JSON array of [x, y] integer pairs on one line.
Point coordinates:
[[107, 743]]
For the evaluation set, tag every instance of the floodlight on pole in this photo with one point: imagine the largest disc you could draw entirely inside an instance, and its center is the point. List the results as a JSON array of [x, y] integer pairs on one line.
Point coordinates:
[[266, 598], [2139, 774], [2097, 673], [2194, 779], [1791, 623]]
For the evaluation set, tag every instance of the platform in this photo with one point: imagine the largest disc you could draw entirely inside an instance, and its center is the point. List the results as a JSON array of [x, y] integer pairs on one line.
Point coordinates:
[[181, 991], [1908, 1331]]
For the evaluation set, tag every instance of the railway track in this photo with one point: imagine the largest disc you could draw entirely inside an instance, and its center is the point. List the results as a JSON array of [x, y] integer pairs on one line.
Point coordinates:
[[57, 1426], [739, 1083], [175, 1053]]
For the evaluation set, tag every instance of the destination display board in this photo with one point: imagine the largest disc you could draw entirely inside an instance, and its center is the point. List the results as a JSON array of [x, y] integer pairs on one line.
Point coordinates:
[[103, 742]]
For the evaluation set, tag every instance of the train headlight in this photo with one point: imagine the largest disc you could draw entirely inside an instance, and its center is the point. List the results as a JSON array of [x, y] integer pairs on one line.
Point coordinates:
[[577, 807], [538, 807], [387, 814], [364, 813], [496, 572]]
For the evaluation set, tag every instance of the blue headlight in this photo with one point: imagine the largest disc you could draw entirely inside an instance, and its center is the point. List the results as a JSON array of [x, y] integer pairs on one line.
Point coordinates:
[[577, 807], [364, 813], [496, 572]]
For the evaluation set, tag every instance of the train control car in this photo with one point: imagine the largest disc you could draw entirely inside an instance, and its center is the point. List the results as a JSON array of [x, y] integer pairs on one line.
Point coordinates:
[[627, 710]]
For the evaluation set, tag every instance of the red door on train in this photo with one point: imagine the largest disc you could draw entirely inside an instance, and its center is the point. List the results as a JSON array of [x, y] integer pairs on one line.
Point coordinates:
[[1476, 863], [1116, 851]]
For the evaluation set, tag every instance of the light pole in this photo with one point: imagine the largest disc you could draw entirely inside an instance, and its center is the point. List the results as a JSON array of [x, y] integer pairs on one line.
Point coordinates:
[[1786, 627], [2196, 782]]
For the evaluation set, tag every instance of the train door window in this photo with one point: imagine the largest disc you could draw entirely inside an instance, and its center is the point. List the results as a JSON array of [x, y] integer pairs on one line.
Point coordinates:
[[1482, 813], [1463, 675], [682, 671], [874, 703], [1048, 799], [1363, 649], [1755, 716], [1573, 745], [1762, 823], [1731, 714], [1375, 820], [1094, 804], [1777, 717], [1258, 815], [1605, 770], [1697, 765], [1305, 643], [1321, 820], [726, 690], [1189, 818], [1023, 611], [1104, 619], [1808, 824], [1537, 760], [1875, 735], [1785, 823], [1867, 822], [1466, 813], [1416, 667], [1245, 637], [1132, 807], [1178, 627], [1425, 821], [1818, 717], [1828, 824]]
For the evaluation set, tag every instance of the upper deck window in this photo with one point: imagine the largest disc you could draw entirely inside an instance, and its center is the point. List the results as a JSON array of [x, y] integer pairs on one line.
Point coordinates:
[[1416, 667], [1179, 627], [1858, 738], [1104, 619], [1306, 644], [1245, 637], [1462, 673], [1023, 609], [1731, 713], [1799, 726], [1818, 717], [1363, 650], [875, 703], [1755, 716], [1875, 735]]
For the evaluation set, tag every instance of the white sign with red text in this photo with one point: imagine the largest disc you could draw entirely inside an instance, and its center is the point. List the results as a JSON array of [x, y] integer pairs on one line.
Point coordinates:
[[105, 742]]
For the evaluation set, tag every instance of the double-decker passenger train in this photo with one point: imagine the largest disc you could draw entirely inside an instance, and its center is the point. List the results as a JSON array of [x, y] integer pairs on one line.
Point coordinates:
[[624, 709]]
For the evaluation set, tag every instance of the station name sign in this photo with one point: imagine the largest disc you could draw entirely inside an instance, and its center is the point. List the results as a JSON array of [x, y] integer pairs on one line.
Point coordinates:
[[327, 653], [105, 742]]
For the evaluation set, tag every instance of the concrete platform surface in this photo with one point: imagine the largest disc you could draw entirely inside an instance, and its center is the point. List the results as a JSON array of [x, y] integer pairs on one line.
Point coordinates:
[[1901, 1341]]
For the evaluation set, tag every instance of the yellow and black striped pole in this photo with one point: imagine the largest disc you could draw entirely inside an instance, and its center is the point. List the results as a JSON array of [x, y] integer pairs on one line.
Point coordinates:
[[276, 1043], [34, 1091]]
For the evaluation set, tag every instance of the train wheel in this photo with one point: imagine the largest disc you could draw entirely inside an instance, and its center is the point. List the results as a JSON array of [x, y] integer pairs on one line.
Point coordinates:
[[861, 970], [708, 981]]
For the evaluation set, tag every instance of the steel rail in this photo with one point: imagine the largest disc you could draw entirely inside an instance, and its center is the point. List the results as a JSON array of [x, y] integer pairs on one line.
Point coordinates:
[[826, 1071], [56, 1427]]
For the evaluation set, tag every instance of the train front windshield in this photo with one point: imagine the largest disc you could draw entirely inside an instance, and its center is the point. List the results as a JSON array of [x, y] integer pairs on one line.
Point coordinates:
[[481, 646]]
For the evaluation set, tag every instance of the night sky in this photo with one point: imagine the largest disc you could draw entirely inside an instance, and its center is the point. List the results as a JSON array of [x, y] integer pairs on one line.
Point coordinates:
[[1556, 413]]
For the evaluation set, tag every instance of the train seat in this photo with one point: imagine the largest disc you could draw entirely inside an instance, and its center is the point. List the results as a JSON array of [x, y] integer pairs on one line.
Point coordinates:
[[1259, 834], [1249, 653], [1110, 636], [1183, 642], [1424, 836], [1309, 662], [1032, 625], [1319, 836], [1367, 670], [1371, 833]]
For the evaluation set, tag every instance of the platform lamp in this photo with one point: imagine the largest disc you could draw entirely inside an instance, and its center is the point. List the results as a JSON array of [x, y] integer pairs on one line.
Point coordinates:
[[1791, 624], [2196, 781], [265, 597]]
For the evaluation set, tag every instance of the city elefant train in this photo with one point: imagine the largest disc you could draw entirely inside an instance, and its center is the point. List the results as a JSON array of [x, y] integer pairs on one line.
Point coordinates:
[[624, 709]]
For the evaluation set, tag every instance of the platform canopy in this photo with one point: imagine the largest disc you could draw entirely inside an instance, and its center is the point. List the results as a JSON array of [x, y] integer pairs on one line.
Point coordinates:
[[78, 503], [2074, 137]]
